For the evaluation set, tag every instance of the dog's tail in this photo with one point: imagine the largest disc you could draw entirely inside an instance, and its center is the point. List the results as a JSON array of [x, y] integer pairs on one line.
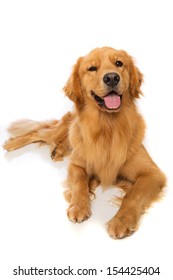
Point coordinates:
[[24, 132], [54, 133], [24, 126]]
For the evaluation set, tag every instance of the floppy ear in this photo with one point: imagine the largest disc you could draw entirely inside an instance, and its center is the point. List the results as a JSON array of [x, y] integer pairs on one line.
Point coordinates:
[[136, 79], [73, 86]]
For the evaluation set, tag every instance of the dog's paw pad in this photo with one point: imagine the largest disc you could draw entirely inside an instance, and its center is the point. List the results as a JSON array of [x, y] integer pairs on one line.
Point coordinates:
[[56, 154]]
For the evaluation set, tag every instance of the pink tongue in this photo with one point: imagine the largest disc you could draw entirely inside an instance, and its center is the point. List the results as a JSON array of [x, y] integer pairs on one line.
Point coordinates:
[[112, 101]]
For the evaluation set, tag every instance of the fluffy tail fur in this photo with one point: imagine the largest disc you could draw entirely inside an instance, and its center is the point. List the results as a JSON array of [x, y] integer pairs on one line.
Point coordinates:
[[54, 133], [24, 126]]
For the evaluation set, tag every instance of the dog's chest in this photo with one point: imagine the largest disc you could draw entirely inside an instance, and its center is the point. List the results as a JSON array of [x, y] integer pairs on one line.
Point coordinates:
[[99, 146], [104, 152]]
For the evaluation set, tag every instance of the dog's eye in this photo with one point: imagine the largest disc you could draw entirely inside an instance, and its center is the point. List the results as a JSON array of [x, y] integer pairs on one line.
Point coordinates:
[[119, 63], [92, 68]]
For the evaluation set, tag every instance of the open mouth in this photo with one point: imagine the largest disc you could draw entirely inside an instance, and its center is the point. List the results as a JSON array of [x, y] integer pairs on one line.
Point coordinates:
[[112, 101]]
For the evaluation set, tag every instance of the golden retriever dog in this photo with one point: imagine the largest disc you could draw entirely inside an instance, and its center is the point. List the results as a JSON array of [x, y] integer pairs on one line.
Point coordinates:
[[103, 136]]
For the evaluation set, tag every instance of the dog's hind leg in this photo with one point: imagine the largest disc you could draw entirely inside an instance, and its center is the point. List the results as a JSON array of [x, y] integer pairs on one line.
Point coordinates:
[[53, 133]]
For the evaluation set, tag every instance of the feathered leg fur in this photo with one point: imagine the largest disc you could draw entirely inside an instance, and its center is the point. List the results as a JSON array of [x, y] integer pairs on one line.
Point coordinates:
[[53, 133]]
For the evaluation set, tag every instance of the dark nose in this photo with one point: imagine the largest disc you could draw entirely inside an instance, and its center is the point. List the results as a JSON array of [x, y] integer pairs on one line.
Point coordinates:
[[111, 79]]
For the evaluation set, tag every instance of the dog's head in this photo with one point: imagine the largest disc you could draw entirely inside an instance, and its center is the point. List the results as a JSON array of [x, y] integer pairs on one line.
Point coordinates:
[[105, 77]]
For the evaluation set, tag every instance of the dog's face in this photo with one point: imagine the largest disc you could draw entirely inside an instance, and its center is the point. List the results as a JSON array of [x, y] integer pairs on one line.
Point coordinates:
[[105, 77]]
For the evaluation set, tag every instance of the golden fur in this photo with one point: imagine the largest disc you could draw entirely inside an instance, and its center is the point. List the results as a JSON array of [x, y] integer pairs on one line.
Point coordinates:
[[103, 138]]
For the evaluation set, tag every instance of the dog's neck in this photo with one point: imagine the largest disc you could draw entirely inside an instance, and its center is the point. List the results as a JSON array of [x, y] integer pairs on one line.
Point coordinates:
[[100, 125]]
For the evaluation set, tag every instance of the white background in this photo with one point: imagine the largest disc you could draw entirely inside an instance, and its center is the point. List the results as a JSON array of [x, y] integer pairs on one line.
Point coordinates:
[[39, 42]]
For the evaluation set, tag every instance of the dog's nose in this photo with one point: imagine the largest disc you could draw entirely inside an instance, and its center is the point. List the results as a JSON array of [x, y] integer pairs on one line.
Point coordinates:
[[111, 79]]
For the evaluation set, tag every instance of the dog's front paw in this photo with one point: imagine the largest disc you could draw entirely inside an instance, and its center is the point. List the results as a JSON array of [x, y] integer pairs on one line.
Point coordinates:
[[121, 227], [78, 214]]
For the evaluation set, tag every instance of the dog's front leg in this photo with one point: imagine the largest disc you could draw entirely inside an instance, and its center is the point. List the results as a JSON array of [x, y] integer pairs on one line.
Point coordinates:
[[79, 208], [148, 184]]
